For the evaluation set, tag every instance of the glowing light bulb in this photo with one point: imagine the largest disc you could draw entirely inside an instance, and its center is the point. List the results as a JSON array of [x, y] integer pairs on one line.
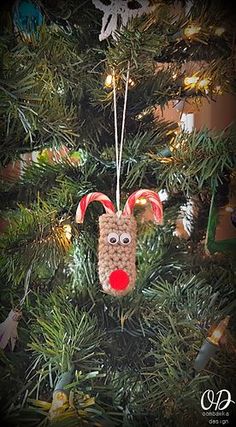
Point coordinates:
[[67, 231], [218, 90], [131, 82], [58, 401], [174, 145], [59, 395], [141, 201], [191, 81], [219, 331], [108, 81], [60, 90], [219, 31], [191, 30], [203, 83]]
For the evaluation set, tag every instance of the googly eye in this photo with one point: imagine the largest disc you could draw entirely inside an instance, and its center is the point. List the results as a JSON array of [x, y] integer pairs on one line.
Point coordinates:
[[125, 238], [112, 238]]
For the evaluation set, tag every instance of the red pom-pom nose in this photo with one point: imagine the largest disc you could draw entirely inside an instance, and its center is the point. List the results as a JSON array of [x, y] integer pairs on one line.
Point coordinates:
[[119, 280]]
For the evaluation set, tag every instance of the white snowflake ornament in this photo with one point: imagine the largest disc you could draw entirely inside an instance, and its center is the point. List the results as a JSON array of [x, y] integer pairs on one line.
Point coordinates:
[[119, 8]]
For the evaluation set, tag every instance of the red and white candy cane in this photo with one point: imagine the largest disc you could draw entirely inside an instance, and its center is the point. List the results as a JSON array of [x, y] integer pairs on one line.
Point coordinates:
[[153, 198], [93, 197]]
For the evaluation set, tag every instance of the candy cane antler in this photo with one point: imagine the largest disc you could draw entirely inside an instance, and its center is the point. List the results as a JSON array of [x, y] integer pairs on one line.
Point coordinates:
[[93, 197], [153, 198]]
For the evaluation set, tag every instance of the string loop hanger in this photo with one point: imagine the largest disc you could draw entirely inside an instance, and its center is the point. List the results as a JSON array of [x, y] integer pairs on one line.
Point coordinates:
[[119, 145]]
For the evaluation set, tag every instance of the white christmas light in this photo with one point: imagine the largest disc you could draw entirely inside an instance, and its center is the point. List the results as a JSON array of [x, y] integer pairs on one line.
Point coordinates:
[[191, 30], [219, 31], [191, 81], [108, 81]]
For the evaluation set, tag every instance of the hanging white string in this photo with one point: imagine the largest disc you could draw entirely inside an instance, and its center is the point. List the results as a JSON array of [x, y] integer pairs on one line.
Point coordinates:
[[124, 115], [116, 141], [118, 148]]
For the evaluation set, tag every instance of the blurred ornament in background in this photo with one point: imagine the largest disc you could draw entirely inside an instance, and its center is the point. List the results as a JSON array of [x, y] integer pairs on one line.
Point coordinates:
[[78, 157], [8, 329], [163, 194], [51, 155], [185, 221], [221, 229], [121, 10], [27, 18]]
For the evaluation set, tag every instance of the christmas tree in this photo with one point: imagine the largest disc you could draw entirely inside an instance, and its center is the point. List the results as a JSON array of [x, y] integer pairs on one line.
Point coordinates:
[[76, 79]]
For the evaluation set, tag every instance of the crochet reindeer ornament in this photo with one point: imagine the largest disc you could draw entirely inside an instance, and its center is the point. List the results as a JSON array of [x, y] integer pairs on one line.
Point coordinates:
[[117, 239]]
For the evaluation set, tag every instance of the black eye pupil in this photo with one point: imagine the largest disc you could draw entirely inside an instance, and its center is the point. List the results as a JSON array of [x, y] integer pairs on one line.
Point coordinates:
[[113, 240], [126, 240]]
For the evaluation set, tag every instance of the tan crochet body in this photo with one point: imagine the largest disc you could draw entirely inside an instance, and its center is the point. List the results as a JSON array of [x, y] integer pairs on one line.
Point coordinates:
[[117, 256]]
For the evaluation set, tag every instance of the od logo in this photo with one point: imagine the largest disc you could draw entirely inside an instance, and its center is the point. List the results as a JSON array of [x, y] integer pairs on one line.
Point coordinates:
[[220, 400]]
